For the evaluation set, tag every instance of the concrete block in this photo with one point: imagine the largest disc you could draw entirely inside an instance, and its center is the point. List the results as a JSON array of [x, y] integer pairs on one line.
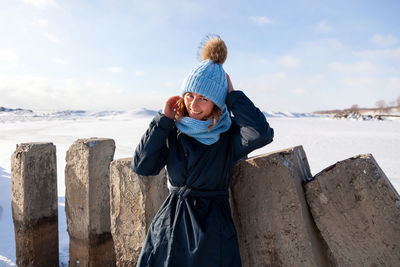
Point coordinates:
[[135, 200], [270, 213], [357, 211], [37, 246], [87, 198], [83, 254], [87, 201], [34, 204]]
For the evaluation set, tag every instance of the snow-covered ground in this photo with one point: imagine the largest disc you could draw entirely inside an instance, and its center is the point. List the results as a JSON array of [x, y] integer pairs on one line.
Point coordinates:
[[325, 141]]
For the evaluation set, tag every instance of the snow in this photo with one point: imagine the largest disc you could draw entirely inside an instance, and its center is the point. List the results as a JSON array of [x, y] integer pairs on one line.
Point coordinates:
[[14, 115], [273, 114], [324, 140]]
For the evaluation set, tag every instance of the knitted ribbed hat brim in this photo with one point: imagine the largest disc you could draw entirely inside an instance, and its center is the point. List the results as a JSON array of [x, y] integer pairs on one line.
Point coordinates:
[[208, 79], [209, 89]]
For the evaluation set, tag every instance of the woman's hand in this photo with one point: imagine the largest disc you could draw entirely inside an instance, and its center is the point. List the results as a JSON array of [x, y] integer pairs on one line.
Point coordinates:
[[170, 107], [230, 86]]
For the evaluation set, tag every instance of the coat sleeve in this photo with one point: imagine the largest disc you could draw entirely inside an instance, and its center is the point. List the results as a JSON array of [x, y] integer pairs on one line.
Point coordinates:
[[151, 153], [251, 129]]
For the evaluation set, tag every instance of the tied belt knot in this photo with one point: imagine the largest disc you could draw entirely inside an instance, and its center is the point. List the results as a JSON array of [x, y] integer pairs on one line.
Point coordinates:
[[184, 191]]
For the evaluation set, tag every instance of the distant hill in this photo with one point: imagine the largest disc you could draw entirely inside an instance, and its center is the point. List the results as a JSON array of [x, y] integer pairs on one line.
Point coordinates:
[[4, 109]]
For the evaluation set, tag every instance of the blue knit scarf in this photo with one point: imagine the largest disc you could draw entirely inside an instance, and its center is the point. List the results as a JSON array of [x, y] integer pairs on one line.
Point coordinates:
[[198, 129]]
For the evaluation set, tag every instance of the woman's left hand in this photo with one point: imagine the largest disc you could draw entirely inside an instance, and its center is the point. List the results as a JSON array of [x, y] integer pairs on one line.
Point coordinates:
[[230, 86]]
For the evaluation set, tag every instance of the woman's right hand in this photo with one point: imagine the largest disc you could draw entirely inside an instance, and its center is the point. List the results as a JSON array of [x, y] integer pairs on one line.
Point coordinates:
[[170, 107]]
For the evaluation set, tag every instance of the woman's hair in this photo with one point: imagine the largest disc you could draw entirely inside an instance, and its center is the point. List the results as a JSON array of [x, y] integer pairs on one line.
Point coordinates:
[[182, 112]]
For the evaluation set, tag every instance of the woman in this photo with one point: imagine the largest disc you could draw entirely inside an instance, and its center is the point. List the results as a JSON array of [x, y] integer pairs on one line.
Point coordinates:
[[199, 142]]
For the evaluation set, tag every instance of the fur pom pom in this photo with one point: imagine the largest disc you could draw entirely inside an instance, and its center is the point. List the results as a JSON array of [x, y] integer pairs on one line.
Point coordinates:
[[213, 48]]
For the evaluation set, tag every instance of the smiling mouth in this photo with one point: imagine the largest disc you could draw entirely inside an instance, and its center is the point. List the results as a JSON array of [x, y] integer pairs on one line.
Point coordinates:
[[194, 112]]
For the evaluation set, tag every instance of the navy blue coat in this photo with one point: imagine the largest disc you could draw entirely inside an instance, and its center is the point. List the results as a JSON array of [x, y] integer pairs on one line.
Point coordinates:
[[194, 226]]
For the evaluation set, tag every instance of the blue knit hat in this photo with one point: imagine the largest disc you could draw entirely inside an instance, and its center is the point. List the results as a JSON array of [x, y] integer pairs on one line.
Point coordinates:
[[209, 78]]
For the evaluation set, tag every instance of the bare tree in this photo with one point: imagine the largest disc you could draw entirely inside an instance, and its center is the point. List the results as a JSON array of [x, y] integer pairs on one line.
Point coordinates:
[[380, 104], [398, 101], [354, 108]]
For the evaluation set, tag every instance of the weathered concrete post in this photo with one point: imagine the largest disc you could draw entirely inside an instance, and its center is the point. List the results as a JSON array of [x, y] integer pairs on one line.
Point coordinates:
[[270, 212], [134, 200], [87, 202], [357, 211], [34, 204]]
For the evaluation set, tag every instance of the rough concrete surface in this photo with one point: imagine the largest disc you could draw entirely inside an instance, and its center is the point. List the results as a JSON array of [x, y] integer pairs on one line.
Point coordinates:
[[135, 200], [87, 197], [38, 245], [34, 204], [34, 183], [83, 254], [357, 211], [270, 212]]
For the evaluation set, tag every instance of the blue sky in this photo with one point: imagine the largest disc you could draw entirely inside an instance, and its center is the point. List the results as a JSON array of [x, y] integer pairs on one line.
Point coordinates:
[[299, 55]]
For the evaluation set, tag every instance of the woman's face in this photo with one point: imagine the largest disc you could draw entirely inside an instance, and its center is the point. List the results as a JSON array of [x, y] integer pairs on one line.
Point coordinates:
[[199, 107]]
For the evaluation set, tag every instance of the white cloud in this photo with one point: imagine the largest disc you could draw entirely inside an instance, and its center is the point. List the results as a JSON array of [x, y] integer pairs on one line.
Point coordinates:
[[38, 92], [159, 12], [24, 87], [52, 38], [314, 79], [299, 91], [359, 82], [9, 56], [393, 82], [115, 69], [41, 22], [265, 83], [358, 67], [139, 73], [61, 61], [289, 62], [42, 4], [279, 75], [261, 20], [385, 40], [323, 45], [323, 27], [380, 53]]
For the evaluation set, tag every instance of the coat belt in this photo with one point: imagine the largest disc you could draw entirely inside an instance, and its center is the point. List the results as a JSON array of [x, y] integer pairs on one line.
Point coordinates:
[[184, 191]]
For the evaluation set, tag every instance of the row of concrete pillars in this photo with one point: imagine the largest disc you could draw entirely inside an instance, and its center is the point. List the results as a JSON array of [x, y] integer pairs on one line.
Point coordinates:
[[35, 203], [348, 215]]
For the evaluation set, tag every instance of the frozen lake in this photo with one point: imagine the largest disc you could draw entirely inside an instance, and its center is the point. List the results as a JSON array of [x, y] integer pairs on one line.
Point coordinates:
[[324, 140]]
